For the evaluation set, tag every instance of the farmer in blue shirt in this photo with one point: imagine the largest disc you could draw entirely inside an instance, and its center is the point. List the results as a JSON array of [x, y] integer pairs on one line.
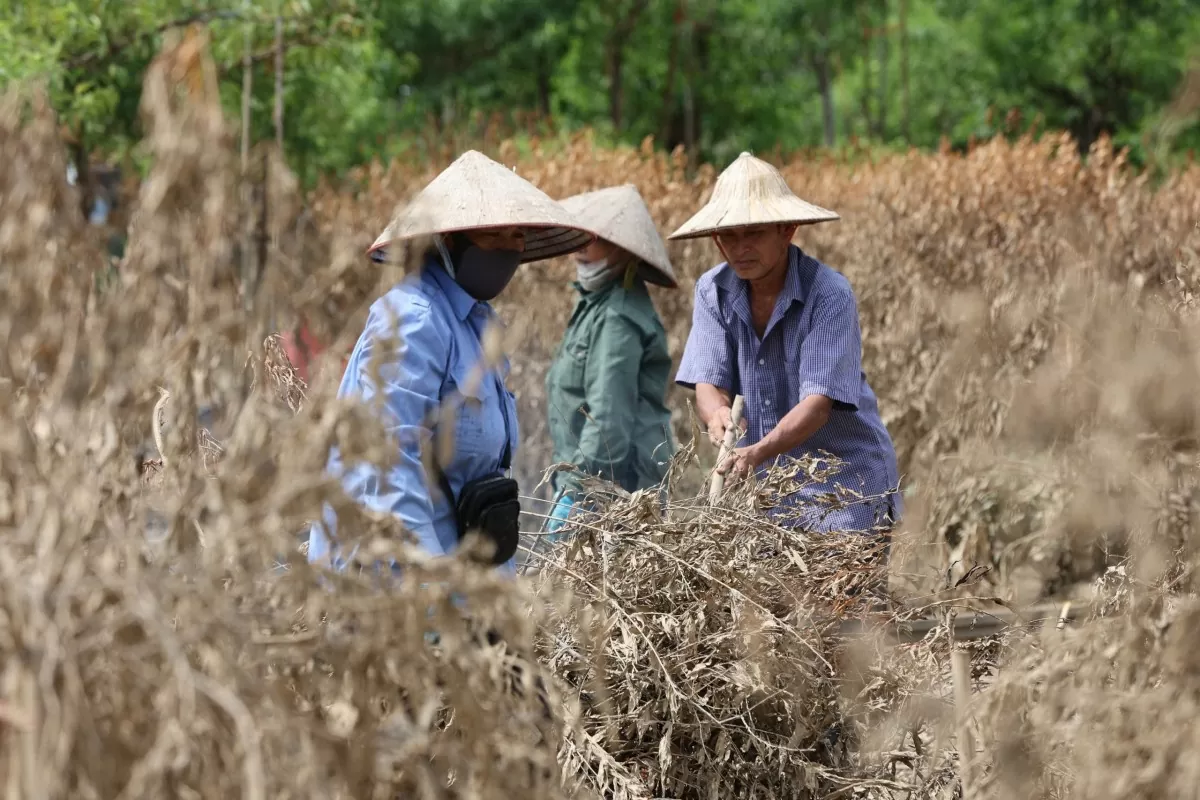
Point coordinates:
[[485, 221], [781, 329]]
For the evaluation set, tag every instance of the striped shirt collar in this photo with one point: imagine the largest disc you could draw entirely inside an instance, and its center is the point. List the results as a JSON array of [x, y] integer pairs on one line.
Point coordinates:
[[801, 273]]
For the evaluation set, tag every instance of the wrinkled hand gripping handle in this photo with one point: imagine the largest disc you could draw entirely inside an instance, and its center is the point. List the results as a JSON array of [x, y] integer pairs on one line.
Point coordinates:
[[735, 418]]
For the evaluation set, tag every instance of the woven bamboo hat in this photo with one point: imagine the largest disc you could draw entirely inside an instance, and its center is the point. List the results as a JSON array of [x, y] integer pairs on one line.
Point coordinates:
[[619, 215], [476, 192], [750, 192]]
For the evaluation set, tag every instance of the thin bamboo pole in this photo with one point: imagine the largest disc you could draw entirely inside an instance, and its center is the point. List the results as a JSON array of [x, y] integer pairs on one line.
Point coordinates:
[[718, 479], [960, 672]]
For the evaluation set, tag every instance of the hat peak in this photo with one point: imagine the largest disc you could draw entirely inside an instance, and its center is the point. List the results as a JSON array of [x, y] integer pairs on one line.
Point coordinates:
[[750, 194], [619, 214], [478, 192]]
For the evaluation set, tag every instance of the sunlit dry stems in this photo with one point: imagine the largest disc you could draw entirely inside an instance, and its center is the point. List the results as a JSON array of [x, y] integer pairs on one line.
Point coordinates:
[[157, 423]]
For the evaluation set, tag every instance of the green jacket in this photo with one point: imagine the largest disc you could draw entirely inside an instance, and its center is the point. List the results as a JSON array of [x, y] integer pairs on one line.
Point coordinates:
[[606, 390]]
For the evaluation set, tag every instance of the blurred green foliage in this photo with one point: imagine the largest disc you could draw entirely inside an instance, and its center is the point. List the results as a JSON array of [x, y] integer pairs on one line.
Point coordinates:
[[386, 78]]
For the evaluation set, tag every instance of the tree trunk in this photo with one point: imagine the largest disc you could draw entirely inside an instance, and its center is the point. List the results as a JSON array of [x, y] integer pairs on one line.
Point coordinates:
[[279, 83], [864, 17], [689, 120], [616, 56], [667, 105], [825, 86], [622, 28], [905, 118], [699, 40], [543, 89], [247, 88], [83, 174], [884, 52], [247, 253]]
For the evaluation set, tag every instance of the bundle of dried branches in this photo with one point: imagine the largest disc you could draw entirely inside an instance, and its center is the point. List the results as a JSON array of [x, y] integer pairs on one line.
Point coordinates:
[[703, 644]]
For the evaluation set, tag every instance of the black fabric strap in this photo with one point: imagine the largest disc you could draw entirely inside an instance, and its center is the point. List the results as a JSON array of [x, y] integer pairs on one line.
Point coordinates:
[[506, 456]]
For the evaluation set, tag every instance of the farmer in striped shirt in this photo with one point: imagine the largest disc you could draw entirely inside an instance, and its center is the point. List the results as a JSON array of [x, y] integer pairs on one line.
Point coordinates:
[[780, 328]]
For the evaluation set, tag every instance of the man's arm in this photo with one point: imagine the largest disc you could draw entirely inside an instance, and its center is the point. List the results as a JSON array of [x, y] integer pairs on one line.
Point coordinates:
[[708, 362], [797, 427], [711, 400], [714, 405]]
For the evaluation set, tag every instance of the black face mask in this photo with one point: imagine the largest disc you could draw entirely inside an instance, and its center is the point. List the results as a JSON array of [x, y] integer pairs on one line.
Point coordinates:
[[485, 273]]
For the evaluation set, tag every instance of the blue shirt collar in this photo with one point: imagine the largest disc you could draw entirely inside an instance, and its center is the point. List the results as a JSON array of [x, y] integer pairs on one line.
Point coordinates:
[[461, 302]]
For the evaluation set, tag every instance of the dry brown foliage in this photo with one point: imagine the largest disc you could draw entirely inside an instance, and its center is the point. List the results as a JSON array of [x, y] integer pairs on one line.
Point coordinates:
[[1028, 325], [149, 647], [1106, 710]]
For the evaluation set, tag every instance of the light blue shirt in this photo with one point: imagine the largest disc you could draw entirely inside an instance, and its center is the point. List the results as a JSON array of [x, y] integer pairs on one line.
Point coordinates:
[[436, 328]]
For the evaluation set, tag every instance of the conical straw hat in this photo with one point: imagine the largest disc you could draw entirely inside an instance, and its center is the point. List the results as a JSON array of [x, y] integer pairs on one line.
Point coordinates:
[[475, 192], [619, 215], [750, 192]]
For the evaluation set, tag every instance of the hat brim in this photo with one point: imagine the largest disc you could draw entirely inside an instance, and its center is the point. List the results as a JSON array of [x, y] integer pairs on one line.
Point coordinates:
[[652, 274], [699, 233], [709, 221], [541, 241], [477, 193]]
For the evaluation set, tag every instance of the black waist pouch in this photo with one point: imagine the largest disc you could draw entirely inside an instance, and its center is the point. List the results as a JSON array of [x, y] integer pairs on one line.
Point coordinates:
[[491, 506]]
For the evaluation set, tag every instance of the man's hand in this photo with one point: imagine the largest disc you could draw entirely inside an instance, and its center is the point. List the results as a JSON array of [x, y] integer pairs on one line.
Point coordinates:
[[741, 461], [721, 421]]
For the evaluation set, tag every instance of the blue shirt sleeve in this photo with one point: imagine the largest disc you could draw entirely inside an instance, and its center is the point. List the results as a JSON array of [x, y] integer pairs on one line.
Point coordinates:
[[831, 355], [400, 359], [708, 353]]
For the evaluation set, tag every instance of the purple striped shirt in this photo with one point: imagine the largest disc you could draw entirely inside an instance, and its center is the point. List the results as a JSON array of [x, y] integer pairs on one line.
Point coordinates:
[[812, 345]]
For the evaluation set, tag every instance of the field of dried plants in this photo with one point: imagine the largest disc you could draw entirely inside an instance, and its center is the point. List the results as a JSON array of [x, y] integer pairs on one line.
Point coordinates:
[[1030, 329]]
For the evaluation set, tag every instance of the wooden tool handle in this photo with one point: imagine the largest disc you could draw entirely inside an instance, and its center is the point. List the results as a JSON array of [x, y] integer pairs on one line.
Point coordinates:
[[731, 436]]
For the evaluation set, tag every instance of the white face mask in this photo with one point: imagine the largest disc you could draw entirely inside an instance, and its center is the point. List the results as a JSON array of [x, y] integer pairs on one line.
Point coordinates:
[[593, 275]]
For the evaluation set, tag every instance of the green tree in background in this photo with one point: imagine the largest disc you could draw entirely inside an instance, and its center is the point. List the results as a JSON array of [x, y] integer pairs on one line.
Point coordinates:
[[1086, 66], [387, 78]]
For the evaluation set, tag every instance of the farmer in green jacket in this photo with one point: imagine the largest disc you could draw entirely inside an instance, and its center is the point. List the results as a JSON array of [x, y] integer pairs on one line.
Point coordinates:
[[607, 385]]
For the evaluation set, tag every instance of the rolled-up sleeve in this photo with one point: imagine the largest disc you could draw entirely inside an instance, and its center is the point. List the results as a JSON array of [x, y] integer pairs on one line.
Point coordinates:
[[708, 352], [831, 355], [406, 348]]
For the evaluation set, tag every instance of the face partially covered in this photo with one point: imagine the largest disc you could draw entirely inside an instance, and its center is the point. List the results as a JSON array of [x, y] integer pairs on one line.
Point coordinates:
[[485, 259], [511, 238], [755, 251]]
